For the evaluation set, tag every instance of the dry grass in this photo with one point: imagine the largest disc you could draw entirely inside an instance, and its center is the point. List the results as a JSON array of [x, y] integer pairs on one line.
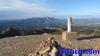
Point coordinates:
[[23, 45], [19, 46]]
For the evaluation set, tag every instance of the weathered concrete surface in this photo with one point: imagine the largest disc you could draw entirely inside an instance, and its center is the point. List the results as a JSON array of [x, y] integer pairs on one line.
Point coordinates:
[[68, 36]]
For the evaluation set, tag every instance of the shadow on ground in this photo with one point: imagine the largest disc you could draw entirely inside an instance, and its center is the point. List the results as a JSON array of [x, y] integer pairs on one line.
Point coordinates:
[[88, 38]]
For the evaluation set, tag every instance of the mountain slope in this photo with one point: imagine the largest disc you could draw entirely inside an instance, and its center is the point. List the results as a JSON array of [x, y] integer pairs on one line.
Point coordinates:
[[35, 22]]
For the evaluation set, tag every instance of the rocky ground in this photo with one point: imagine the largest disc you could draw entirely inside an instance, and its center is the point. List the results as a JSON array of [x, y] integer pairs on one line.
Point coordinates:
[[23, 45]]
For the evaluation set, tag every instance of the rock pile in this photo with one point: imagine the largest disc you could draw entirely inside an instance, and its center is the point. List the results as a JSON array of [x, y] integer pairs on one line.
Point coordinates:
[[49, 47]]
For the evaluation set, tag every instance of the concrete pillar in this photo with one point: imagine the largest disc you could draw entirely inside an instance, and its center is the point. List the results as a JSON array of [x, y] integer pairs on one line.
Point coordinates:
[[69, 23], [69, 35]]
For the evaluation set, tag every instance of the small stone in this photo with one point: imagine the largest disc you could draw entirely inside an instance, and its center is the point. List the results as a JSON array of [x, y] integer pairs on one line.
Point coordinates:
[[97, 47], [75, 54], [49, 47]]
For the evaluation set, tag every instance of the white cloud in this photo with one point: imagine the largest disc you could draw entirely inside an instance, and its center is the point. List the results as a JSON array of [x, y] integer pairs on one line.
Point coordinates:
[[31, 8]]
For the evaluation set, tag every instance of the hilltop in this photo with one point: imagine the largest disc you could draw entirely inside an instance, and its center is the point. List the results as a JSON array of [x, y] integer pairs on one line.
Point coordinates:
[[23, 45]]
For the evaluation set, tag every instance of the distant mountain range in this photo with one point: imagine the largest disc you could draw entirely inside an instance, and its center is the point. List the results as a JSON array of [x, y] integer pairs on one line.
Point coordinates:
[[43, 22], [33, 23]]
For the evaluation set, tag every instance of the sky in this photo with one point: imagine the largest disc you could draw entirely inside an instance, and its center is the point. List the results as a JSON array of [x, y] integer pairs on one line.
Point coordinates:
[[20, 9]]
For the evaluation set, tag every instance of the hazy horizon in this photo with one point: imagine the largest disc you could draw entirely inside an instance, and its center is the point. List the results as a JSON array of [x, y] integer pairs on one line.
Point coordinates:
[[21, 9]]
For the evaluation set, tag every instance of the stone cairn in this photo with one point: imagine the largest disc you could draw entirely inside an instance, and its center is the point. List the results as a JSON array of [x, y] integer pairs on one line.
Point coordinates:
[[49, 47]]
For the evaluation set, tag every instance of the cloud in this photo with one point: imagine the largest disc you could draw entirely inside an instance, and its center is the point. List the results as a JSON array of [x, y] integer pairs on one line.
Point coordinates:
[[30, 8], [33, 8]]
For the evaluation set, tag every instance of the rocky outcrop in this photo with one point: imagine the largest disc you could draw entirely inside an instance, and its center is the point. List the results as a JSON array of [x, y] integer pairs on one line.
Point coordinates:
[[49, 47]]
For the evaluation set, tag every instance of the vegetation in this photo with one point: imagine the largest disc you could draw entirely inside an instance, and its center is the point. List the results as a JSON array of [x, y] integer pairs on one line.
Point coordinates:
[[11, 31], [41, 25]]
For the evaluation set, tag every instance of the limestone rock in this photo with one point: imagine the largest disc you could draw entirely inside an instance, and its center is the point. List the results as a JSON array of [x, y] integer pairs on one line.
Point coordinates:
[[49, 47]]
